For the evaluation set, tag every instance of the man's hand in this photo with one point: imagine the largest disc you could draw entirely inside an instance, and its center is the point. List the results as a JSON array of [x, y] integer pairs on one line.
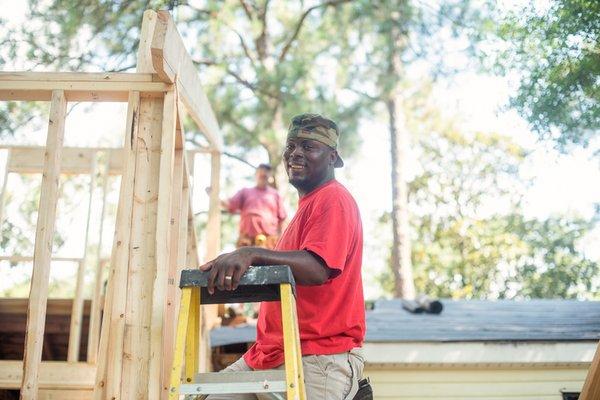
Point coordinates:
[[227, 269]]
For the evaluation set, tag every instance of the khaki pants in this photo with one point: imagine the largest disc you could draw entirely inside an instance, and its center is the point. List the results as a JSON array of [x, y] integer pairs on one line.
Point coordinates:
[[326, 377]]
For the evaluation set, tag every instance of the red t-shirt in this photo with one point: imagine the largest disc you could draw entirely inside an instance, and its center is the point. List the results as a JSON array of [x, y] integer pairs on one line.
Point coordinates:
[[261, 210], [331, 316]]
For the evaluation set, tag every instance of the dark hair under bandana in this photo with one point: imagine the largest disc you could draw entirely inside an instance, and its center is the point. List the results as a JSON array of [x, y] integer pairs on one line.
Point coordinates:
[[316, 127]]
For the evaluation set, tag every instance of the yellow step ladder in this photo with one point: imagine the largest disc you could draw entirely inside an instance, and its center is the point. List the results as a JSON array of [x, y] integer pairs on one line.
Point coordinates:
[[260, 283]]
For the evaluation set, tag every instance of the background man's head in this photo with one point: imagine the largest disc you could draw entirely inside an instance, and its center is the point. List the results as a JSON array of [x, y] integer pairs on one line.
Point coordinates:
[[311, 151], [263, 175]]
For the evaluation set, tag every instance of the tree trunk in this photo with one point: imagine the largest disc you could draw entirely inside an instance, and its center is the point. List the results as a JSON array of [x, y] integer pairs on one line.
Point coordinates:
[[401, 258]]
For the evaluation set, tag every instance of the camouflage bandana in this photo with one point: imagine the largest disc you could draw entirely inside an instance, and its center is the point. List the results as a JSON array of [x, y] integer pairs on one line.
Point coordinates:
[[316, 127]]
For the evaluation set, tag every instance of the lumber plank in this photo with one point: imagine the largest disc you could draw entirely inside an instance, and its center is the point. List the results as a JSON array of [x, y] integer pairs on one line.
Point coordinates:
[[591, 387], [95, 91], [75, 76], [142, 255], [52, 375], [144, 56], [77, 311], [5, 172], [94, 326], [108, 376], [170, 59], [177, 241], [76, 160], [76, 316], [168, 194], [213, 227], [38, 295]]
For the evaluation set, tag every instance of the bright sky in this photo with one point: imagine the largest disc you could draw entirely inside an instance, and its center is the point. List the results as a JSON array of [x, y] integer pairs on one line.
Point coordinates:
[[560, 183]]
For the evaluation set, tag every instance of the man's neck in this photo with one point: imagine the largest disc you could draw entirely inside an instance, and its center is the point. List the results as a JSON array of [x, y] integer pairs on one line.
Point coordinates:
[[302, 193]]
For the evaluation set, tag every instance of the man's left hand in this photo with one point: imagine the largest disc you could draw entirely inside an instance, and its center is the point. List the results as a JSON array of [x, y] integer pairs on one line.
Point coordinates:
[[227, 269]]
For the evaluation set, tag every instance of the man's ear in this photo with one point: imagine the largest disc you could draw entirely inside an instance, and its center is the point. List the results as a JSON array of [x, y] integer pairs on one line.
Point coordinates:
[[333, 156]]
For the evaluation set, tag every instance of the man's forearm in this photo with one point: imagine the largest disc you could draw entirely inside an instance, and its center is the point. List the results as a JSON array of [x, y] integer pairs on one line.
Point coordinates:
[[307, 268]]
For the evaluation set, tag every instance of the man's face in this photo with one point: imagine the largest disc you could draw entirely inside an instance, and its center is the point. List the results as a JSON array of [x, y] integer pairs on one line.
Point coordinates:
[[262, 177], [308, 163]]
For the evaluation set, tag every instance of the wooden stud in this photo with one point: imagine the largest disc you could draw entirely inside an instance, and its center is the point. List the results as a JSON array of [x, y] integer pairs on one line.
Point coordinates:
[[213, 229], [38, 296], [76, 315], [94, 325], [4, 184], [77, 311], [178, 236], [167, 190], [108, 375], [142, 256], [213, 226], [591, 387]]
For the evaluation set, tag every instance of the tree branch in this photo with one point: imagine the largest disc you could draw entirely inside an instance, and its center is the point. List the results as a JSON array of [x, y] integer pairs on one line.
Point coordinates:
[[123, 68], [261, 40], [363, 94], [234, 74], [225, 153], [291, 40], [247, 10], [244, 45], [256, 90], [240, 159]]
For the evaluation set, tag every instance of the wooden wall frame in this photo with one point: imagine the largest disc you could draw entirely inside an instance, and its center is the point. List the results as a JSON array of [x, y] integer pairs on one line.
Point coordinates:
[[154, 236]]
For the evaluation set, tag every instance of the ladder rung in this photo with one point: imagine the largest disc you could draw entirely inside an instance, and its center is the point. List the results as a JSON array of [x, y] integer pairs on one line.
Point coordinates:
[[236, 382]]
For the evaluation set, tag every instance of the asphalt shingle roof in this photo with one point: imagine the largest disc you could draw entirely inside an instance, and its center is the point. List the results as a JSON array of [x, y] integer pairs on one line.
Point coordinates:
[[468, 321]]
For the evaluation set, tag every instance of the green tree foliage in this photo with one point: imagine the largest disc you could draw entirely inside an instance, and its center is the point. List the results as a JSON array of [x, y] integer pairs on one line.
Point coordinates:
[[557, 53], [261, 61], [554, 266], [470, 239]]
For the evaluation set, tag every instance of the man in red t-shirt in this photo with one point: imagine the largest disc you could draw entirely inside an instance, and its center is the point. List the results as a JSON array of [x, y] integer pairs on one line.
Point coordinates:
[[261, 211], [323, 247]]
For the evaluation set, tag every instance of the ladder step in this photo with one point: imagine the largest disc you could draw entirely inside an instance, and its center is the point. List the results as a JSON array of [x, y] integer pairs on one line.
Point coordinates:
[[236, 382]]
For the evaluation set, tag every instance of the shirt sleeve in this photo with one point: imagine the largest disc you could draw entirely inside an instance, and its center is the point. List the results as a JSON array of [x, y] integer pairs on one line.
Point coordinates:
[[330, 234], [236, 203]]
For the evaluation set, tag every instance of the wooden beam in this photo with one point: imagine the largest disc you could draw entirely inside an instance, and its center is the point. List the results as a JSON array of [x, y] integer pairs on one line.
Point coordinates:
[[167, 195], [108, 376], [18, 259], [177, 241], [29, 160], [213, 226], [78, 86], [21, 76], [76, 160], [77, 313], [76, 316], [94, 325], [5, 172], [135, 381], [591, 387], [170, 60], [38, 296], [38, 90], [52, 375]]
